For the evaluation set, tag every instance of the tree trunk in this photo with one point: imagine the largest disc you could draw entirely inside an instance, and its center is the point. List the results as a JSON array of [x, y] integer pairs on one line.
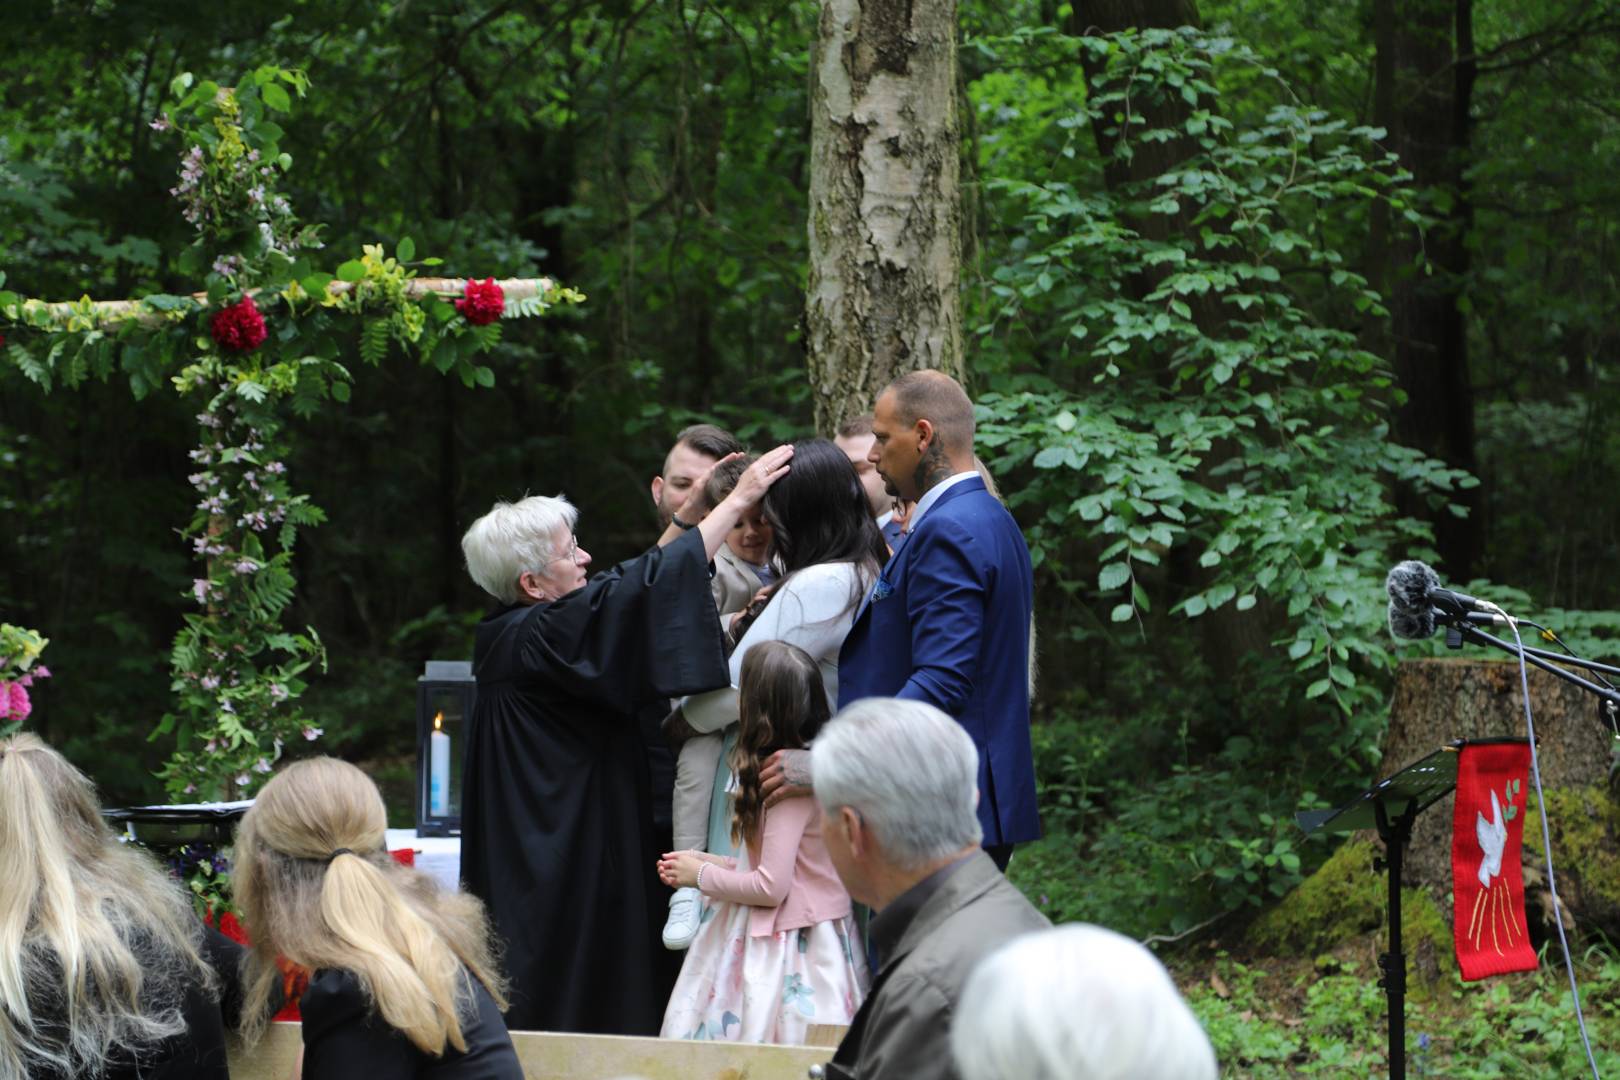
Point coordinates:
[[1438, 700], [884, 201], [1431, 72]]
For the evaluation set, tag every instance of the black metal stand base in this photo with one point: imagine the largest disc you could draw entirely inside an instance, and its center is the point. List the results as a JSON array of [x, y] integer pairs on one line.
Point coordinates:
[[1392, 964]]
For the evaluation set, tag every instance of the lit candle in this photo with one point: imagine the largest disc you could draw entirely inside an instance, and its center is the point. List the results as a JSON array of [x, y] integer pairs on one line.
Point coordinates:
[[439, 769]]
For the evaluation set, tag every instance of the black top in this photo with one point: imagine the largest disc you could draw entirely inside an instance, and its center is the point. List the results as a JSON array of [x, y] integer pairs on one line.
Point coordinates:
[[557, 829], [344, 1037], [198, 1053]]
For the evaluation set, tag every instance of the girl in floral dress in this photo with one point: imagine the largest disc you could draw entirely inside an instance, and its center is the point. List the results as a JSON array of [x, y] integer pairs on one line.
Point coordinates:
[[777, 948]]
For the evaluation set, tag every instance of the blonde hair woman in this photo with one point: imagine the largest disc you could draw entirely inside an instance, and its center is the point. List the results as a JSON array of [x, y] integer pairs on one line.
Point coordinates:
[[102, 971], [403, 983]]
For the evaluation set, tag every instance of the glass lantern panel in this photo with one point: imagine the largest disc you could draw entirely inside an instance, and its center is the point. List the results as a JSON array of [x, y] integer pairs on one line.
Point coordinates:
[[447, 742]]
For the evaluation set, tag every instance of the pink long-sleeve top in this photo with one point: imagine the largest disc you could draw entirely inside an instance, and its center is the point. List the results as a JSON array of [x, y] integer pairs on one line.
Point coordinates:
[[793, 883]]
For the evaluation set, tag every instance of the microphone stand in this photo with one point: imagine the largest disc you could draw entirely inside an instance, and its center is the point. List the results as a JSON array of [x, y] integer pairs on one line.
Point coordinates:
[[1457, 633]]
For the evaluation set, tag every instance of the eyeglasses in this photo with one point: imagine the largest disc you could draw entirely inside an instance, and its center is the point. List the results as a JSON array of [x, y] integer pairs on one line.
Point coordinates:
[[572, 554]]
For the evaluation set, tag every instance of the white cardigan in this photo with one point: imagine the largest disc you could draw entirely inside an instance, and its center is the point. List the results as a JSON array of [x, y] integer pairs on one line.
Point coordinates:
[[814, 611]]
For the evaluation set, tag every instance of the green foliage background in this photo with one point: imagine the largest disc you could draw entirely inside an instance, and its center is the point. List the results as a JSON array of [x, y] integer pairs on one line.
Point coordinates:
[[1184, 371]]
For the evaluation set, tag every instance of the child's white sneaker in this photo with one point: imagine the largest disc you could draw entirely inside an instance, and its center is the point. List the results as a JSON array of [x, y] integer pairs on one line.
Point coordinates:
[[685, 913]]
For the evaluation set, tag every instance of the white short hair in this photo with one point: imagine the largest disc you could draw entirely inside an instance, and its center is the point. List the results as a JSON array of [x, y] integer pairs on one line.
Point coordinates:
[[514, 539], [909, 770], [1077, 1000]]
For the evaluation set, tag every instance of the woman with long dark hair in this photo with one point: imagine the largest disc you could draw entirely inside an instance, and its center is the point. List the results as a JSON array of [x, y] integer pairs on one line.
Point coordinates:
[[829, 551]]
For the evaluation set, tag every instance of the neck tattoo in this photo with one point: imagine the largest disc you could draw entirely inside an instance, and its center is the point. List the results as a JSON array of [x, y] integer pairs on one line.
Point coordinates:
[[932, 470]]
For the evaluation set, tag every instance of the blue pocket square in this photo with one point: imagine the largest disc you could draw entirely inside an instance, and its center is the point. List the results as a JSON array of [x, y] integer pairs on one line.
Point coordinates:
[[884, 590]]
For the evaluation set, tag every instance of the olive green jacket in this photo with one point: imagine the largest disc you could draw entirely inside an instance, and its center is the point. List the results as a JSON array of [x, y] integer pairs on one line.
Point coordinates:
[[903, 1030]]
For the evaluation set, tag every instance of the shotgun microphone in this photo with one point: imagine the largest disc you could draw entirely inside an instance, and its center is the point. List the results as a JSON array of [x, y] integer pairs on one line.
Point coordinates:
[[1418, 604]]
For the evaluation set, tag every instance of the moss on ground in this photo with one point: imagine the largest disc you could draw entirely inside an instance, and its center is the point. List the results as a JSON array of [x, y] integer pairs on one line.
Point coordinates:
[[1344, 900]]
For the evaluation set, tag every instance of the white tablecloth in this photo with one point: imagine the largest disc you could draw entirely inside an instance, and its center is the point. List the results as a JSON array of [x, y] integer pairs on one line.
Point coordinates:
[[436, 855]]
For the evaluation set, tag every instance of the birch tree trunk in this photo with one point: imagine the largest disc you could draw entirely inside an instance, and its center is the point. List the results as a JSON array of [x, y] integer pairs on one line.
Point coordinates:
[[884, 201]]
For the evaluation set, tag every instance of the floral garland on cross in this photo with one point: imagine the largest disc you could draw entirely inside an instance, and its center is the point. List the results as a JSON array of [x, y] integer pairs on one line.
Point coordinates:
[[273, 325]]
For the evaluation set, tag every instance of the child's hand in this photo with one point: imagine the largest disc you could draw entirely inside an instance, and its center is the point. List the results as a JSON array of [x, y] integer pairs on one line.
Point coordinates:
[[679, 869]]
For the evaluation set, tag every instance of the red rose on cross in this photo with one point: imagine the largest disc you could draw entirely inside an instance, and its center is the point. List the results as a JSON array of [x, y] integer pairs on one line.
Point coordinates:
[[482, 302], [238, 327]]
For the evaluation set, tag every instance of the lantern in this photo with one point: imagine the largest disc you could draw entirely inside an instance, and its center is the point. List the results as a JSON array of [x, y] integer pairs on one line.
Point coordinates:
[[444, 703]]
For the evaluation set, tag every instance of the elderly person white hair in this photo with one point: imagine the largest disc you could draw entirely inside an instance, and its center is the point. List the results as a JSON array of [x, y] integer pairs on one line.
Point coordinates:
[[897, 783], [1077, 1001], [513, 549], [557, 834]]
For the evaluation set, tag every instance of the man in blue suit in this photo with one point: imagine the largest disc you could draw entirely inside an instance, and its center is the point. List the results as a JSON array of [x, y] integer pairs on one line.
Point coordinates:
[[948, 621]]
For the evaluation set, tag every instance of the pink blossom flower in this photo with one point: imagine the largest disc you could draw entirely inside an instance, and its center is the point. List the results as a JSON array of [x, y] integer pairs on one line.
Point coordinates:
[[278, 692], [19, 706], [41, 671], [200, 588], [261, 766], [313, 733]]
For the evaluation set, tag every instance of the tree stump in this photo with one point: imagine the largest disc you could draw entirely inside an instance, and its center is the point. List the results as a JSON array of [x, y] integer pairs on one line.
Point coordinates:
[[1438, 700]]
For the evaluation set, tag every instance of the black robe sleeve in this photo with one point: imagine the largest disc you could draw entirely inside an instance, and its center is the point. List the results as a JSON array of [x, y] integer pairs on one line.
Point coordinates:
[[644, 630]]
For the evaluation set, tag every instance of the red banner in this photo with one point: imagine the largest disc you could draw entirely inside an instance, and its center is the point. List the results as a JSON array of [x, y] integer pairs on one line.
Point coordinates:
[[1487, 879]]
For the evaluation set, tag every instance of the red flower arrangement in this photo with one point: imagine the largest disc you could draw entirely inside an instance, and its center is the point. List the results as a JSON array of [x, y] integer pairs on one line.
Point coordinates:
[[482, 302], [238, 327]]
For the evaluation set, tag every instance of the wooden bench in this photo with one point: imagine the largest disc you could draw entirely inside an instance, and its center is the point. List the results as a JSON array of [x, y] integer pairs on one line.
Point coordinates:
[[554, 1056]]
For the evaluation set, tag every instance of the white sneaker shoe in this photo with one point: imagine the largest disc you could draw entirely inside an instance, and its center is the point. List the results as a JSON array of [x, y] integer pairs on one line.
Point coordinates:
[[685, 913]]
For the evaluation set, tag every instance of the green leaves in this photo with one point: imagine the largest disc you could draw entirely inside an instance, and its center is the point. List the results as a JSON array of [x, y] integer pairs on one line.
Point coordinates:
[[353, 270], [275, 97], [1113, 576]]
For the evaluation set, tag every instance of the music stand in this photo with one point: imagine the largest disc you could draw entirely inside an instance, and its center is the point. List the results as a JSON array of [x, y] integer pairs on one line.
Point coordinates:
[[1390, 807]]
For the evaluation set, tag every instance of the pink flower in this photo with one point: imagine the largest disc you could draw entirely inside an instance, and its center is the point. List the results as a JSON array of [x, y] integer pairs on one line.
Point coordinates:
[[18, 706], [482, 303], [312, 733], [41, 671]]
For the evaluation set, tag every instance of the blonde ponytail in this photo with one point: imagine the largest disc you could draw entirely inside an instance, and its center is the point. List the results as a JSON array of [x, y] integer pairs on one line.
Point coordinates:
[[315, 886]]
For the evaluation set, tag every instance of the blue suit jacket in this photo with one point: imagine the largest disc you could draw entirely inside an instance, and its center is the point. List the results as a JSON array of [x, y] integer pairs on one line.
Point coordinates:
[[948, 623]]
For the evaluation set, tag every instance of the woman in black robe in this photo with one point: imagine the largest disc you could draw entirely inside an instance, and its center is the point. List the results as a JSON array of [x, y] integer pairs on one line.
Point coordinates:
[[557, 834]]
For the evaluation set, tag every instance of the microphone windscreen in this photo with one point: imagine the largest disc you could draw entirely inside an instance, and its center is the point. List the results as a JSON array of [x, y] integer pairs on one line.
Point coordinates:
[[1409, 585], [1411, 624]]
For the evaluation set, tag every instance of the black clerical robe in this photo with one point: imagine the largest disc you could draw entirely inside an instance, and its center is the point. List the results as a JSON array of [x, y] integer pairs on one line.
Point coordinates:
[[557, 832]]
